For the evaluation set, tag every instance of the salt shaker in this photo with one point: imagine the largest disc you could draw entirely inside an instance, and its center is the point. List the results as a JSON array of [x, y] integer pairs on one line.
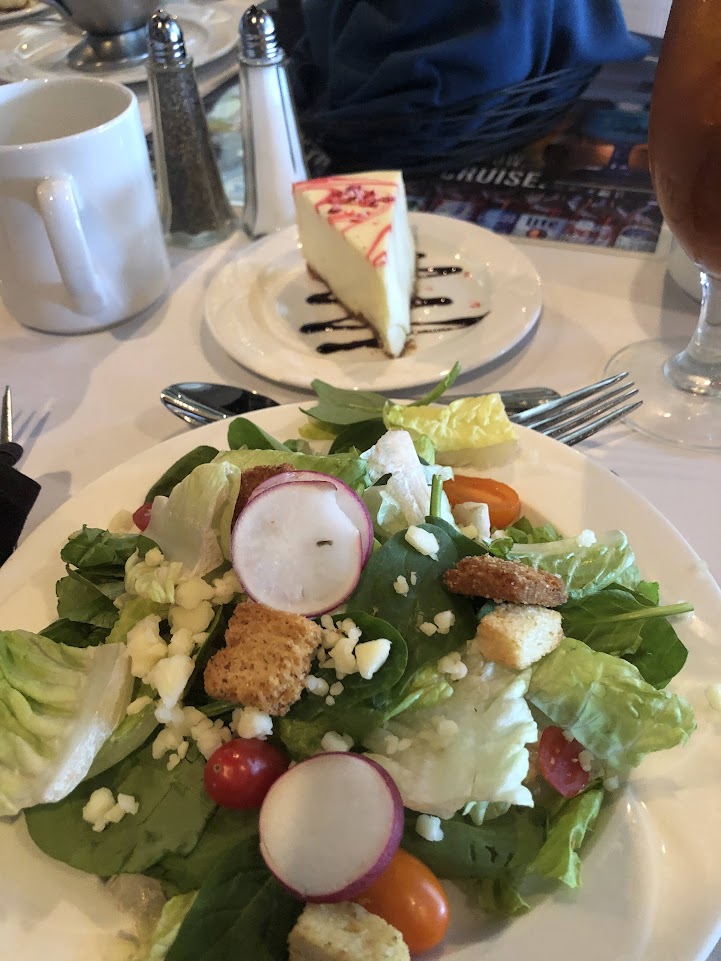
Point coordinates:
[[272, 156], [194, 208]]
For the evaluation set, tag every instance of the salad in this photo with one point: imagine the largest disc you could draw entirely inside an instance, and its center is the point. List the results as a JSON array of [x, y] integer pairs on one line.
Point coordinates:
[[414, 672]]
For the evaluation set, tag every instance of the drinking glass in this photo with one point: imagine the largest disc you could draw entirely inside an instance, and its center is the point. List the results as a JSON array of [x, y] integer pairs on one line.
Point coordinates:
[[682, 393]]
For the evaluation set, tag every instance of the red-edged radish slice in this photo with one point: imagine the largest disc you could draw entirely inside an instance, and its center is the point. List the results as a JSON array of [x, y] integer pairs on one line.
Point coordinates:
[[294, 549], [349, 502], [330, 825]]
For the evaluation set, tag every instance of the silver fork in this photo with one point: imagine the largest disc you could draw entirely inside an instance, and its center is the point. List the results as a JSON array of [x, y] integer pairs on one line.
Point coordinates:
[[576, 416]]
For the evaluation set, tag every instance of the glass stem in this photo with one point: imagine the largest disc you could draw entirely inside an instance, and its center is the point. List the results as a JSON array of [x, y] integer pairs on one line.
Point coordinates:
[[697, 369]]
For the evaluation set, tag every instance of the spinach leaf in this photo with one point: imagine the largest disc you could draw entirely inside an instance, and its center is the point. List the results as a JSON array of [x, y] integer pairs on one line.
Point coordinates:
[[173, 810], [661, 653], [240, 912], [75, 633], [244, 433], [523, 532], [302, 737], [488, 850], [441, 387], [180, 873], [195, 691], [426, 598], [81, 600], [101, 553], [360, 436], [338, 408], [180, 470]]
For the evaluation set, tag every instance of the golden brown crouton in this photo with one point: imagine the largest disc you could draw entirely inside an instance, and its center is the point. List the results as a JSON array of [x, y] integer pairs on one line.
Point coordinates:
[[344, 932], [252, 477], [266, 660], [501, 580], [518, 635]]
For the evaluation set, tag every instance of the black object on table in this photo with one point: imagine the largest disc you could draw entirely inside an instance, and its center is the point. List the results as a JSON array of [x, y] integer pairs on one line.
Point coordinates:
[[18, 493]]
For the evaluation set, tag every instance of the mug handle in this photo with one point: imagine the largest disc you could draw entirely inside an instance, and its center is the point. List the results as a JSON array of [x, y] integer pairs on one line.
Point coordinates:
[[60, 214]]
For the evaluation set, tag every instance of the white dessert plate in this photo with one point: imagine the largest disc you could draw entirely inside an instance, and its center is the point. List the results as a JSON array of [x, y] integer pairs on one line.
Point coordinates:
[[483, 299], [15, 16], [652, 874], [38, 50]]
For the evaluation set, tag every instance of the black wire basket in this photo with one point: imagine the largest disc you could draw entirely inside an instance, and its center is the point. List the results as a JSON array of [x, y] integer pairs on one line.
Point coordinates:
[[446, 138]]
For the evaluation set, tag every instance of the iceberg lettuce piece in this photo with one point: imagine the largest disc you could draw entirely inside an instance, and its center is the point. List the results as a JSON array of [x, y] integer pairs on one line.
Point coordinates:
[[469, 422], [470, 748], [58, 705], [192, 525], [604, 702], [583, 569], [406, 497]]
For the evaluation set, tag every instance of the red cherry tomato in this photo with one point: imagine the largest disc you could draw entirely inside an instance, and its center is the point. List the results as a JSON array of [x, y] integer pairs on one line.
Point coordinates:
[[239, 774], [504, 504], [559, 764], [141, 518], [409, 896]]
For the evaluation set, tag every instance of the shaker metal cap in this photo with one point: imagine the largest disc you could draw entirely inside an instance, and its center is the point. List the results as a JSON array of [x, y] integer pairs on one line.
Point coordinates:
[[165, 38], [258, 43]]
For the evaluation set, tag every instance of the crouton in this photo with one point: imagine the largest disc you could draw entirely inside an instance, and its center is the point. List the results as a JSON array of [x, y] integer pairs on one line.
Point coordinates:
[[252, 477], [344, 932], [266, 660], [501, 580], [518, 635]]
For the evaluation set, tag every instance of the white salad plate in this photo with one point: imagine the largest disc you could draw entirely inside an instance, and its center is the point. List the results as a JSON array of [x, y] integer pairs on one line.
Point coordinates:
[[35, 51], [15, 16], [651, 873], [257, 309]]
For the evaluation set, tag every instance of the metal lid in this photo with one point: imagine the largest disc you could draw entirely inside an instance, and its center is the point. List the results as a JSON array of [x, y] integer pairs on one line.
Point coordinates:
[[258, 43], [165, 38]]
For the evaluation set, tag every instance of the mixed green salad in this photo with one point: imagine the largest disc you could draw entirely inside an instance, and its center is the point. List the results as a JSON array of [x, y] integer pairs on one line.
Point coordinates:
[[106, 726]]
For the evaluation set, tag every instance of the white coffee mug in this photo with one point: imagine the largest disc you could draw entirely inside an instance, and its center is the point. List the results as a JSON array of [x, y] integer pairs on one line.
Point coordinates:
[[81, 244]]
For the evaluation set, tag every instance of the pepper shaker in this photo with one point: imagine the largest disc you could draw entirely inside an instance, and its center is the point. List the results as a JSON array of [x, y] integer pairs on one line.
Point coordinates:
[[272, 156], [194, 208]]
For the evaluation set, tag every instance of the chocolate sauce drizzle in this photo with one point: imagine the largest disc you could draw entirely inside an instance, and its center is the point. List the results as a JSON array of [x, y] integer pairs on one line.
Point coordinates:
[[419, 325]]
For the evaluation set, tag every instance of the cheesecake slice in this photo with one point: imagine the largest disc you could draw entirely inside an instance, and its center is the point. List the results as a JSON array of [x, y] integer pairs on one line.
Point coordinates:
[[355, 236]]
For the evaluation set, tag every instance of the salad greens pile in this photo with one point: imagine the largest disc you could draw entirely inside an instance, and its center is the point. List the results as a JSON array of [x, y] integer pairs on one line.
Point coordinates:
[[605, 685]]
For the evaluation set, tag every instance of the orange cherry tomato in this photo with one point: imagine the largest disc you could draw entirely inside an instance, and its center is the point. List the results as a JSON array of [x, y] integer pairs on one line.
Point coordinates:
[[409, 896], [504, 504]]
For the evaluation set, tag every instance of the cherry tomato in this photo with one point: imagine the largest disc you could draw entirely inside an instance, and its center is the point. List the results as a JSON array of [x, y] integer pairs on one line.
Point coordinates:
[[559, 764], [504, 504], [409, 896], [141, 518], [240, 773]]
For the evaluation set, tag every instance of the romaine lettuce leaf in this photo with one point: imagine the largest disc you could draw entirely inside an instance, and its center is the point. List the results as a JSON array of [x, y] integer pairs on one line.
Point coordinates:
[[558, 859], [584, 570], [604, 702], [469, 422], [166, 930], [58, 704], [346, 467]]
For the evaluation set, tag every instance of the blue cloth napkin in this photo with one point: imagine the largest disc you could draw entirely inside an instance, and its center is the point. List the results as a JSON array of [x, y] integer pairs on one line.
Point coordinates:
[[382, 57]]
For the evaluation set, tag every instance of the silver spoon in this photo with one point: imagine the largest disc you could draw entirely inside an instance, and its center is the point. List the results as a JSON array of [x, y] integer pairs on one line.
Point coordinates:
[[199, 403]]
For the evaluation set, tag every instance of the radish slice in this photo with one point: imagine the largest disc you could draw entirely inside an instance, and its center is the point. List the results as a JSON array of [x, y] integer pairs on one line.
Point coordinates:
[[349, 502], [330, 825], [294, 549]]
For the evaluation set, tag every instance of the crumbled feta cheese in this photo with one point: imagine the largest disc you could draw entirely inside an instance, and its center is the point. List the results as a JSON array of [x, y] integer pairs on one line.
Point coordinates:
[[611, 783], [470, 531], [713, 695], [181, 642], [586, 539], [336, 689], [154, 557], [428, 628], [327, 622], [568, 736], [189, 594], [169, 739], [250, 722], [332, 741], [196, 619], [128, 803], [453, 666], [102, 809], [404, 744], [474, 520], [316, 685], [145, 645], [444, 621], [446, 727], [170, 676], [331, 638], [400, 585], [330, 700], [225, 588], [183, 748], [173, 761], [169, 715], [136, 706], [585, 759], [413, 578], [210, 739], [429, 827], [344, 658], [422, 541], [371, 656], [391, 744]]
